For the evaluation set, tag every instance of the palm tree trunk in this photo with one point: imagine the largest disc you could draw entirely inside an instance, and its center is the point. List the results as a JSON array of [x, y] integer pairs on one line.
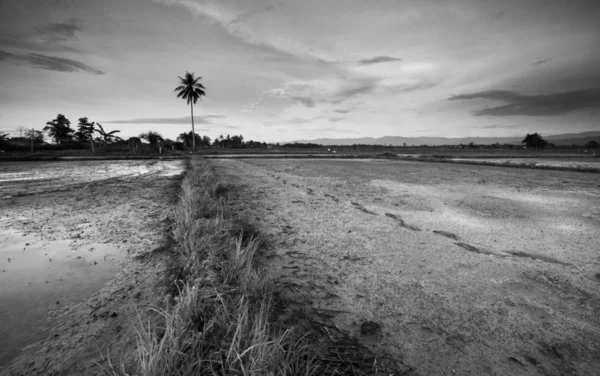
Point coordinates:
[[92, 142], [193, 131]]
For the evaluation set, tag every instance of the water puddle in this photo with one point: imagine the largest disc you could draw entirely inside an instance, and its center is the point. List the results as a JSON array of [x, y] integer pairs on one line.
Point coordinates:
[[40, 276]]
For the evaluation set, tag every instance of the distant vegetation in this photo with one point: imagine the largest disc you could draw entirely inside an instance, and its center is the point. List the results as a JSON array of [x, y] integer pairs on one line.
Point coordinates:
[[93, 137], [535, 141]]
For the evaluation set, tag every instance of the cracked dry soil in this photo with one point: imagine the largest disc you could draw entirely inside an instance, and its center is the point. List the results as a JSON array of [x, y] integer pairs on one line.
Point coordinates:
[[466, 270]]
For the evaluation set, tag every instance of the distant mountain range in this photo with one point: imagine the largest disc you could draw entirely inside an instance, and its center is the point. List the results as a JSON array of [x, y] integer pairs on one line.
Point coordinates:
[[559, 139]]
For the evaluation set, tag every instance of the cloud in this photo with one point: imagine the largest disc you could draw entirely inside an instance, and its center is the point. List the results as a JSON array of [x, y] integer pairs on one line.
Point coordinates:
[[53, 37], [405, 87], [60, 32], [307, 101], [540, 62], [297, 92], [535, 105], [335, 119], [355, 90], [233, 21], [378, 59], [304, 120], [54, 63], [499, 126], [500, 95], [342, 111], [178, 120]]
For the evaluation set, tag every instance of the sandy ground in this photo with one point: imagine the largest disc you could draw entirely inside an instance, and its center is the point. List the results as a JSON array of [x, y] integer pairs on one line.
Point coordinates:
[[71, 213], [469, 270]]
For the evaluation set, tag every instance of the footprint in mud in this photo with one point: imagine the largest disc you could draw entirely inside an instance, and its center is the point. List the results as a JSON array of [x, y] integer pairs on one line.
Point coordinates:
[[471, 248], [535, 256], [446, 234], [332, 197], [362, 208], [401, 222], [309, 191]]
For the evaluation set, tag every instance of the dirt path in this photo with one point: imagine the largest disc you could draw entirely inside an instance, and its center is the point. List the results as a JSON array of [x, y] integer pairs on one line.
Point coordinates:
[[82, 206], [469, 270]]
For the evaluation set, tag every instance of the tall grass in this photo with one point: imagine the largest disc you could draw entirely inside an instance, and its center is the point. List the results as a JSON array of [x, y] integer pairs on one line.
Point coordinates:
[[217, 321]]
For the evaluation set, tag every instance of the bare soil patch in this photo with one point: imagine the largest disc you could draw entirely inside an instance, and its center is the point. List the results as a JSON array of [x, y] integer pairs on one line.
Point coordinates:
[[89, 208], [501, 279]]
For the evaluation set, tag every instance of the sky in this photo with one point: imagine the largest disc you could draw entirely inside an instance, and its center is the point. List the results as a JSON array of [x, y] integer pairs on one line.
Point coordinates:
[[283, 70]]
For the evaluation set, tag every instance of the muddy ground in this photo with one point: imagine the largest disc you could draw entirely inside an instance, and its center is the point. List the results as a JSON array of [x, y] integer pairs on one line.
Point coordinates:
[[467, 270], [122, 205]]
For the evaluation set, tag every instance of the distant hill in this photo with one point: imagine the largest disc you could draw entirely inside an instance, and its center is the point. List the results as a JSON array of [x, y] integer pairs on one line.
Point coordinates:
[[559, 139]]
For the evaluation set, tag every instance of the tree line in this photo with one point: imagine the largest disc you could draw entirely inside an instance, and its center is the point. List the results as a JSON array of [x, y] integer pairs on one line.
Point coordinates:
[[59, 130]]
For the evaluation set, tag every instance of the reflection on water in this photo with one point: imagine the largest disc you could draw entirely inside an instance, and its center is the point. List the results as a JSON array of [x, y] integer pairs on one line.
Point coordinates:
[[39, 276]]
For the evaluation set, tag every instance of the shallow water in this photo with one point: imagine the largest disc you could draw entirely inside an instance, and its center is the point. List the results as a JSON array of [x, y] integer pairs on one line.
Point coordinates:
[[40, 276]]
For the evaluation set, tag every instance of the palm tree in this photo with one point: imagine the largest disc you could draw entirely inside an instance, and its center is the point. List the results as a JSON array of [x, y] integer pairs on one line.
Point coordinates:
[[191, 89], [59, 129], [108, 136], [85, 131]]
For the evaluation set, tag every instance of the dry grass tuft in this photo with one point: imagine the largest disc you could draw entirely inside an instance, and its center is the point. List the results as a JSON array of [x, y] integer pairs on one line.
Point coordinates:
[[219, 189], [217, 321]]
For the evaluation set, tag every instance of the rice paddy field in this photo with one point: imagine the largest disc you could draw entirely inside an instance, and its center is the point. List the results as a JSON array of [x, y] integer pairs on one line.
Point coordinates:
[[447, 268], [468, 269]]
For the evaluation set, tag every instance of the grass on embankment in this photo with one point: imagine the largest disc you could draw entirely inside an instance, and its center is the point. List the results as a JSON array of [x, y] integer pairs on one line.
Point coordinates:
[[217, 321]]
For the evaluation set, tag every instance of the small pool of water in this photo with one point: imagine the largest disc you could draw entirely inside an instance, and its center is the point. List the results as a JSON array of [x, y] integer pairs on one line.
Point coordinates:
[[40, 276]]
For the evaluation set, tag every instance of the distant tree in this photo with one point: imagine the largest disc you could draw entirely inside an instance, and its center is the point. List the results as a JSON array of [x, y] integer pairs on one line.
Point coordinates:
[[592, 145], [3, 138], [237, 142], [85, 131], [37, 136], [152, 137], [534, 140], [189, 140], [170, 144], [59, 129], [107, 137], [191, 89], [134, 143]]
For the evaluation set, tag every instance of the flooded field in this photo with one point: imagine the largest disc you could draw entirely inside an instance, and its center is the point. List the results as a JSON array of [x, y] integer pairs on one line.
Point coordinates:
[[468, 270], [40, 277], [68, 234]]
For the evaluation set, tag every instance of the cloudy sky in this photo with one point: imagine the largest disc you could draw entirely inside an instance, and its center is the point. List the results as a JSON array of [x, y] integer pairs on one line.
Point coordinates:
[[280, 70]]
